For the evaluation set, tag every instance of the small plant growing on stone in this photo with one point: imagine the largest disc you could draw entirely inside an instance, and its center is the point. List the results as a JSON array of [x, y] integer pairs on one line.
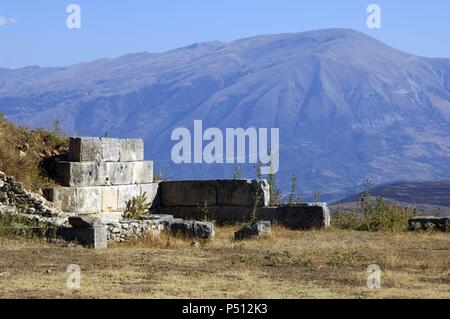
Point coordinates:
[[204, 211], [294, 198], [254, 212], [274, 193], [137, 206]]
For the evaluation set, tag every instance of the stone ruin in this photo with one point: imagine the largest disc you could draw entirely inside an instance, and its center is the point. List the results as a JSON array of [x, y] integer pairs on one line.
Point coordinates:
[[97, 180], [101, 174]]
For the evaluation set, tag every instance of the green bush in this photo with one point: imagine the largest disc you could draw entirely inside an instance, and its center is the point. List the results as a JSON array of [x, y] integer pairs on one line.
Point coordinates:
[[137, 206], [373, 215], [14, 224], [384, 215]]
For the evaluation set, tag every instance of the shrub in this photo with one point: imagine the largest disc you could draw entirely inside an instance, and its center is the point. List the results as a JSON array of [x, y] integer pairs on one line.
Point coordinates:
[[275, 194], [373, 215], [14, 224], [380, 215], [137, 206]]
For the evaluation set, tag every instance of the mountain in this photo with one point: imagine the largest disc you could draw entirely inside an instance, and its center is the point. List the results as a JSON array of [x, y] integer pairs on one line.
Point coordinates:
[[428, 196], [349, 107]]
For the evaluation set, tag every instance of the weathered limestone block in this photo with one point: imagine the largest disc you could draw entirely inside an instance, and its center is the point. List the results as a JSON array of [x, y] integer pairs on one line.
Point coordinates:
[[187, 193], [91, 149], [76, 174], [97, 199], [79, 200], [104, 173], [242, 193], [109, 199], [127, 192], [131, 150], [258, 229], [94, 237]]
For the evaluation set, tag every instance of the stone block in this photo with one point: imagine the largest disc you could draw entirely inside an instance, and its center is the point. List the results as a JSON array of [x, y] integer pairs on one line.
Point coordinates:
[[77, 174], [183, 228], [204, 230], [93, 237], [97, 199], [187, 193], [151, 189], [110, 199], [91, 149], [110, 149], [104, 173], [85, 149], [242, 193], [127, 192], [157, 217], [132, 150], [80, 200], [87, 221], [303, 217], [255, 230]]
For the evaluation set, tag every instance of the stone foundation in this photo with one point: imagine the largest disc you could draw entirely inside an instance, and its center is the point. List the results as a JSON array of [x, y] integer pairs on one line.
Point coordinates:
[[101, 175]]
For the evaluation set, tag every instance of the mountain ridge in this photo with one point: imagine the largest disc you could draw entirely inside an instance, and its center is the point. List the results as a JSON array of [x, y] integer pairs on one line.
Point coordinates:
[[349, 107]]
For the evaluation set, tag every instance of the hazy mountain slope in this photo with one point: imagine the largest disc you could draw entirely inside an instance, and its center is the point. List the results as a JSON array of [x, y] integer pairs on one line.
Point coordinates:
[[348, 107], [432, 197]]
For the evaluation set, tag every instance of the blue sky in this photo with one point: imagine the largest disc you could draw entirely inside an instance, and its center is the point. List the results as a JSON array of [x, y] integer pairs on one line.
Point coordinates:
[[35, 32]]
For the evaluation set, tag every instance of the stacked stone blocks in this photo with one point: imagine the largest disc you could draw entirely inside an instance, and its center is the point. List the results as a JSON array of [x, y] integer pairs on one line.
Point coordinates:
[[101, 175]]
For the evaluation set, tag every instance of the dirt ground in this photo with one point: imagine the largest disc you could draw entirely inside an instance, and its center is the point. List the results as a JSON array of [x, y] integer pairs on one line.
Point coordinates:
[[292, 264]]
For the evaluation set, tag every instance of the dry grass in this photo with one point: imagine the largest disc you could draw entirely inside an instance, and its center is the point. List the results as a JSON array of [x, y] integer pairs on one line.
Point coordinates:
[[25, 153], [314, 264]]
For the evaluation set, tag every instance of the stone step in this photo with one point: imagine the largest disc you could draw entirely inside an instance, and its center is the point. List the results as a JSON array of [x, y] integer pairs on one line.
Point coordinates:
[[100, 149], [104, 173], [97, 199]]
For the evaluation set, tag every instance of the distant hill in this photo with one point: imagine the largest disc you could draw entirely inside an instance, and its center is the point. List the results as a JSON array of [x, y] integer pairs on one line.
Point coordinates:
[[428, 196], [349, 107]]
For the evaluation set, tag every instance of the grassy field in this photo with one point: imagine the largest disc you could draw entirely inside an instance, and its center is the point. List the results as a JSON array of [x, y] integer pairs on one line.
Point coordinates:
[[314, 264]]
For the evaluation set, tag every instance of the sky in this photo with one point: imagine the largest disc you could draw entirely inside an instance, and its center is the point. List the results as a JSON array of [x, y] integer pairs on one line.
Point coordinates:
[[35, 32]]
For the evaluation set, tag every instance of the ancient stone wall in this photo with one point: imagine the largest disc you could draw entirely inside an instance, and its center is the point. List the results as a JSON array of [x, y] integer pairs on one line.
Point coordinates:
[[13, 197], [231, 201]]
